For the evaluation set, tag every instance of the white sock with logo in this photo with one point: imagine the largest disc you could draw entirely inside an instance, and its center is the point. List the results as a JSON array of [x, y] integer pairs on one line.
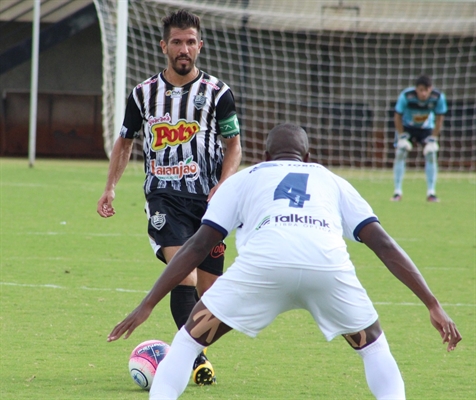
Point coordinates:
[[173, 373]]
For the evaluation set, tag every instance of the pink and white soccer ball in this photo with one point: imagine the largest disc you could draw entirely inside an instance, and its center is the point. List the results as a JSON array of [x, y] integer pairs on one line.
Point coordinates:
[[144, 360]]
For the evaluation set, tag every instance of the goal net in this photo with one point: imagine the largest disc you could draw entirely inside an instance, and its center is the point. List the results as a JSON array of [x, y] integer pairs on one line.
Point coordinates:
[[333, 67]]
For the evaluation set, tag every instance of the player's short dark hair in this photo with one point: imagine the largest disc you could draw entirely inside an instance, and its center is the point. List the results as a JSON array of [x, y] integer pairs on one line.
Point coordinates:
[[181, 19], [424, 81]]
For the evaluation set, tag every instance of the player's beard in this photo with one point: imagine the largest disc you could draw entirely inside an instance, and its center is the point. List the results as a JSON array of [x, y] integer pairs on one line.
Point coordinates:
[[182, 69]]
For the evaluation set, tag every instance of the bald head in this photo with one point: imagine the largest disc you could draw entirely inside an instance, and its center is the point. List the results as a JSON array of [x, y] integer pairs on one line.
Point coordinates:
[[287, 142]]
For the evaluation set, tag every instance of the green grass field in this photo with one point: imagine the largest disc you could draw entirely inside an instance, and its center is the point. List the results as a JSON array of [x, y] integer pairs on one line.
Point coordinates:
[[68, 276]]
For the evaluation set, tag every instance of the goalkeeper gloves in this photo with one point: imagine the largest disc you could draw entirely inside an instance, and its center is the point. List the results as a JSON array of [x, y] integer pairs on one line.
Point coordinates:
[[403, 142], [431, 145]]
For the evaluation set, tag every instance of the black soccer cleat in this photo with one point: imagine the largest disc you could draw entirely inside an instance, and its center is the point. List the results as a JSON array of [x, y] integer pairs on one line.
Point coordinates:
[[396, 197], [432, 198], [203, 372]]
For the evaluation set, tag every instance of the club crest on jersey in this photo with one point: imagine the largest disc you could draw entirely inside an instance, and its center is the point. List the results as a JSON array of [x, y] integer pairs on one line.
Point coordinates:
[[188, 169], [157, 220], [199, 101], [166, 134]]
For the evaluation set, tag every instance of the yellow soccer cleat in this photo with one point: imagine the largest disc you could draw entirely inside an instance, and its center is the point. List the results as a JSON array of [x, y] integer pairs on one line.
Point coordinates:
[[203, 372]]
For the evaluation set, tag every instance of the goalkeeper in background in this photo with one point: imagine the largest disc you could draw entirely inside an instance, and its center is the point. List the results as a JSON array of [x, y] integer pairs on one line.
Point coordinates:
[[418, 118]]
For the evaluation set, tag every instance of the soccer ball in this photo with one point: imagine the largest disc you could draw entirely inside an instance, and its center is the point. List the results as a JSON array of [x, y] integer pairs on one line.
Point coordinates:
[[144, 360]]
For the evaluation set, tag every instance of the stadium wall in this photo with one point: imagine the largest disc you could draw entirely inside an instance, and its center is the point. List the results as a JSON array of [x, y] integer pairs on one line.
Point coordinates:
[[69, 102]]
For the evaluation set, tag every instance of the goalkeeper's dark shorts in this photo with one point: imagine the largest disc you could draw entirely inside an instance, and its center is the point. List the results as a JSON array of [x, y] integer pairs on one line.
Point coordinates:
[[172, 220], [416, 134]]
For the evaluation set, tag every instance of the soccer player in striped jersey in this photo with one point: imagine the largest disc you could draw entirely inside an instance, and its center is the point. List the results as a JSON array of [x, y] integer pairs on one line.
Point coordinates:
[[185, 115], [291, 218], [418, 118]]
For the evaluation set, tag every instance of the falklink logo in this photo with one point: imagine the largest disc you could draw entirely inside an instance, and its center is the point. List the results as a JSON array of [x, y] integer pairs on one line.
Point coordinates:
[[265, 221], [199, 101], [296, 219], [304, 221], [157, 220]]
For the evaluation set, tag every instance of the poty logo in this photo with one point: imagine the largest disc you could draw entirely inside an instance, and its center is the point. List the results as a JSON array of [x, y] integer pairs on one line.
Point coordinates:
[[172, 135], [187, 168]]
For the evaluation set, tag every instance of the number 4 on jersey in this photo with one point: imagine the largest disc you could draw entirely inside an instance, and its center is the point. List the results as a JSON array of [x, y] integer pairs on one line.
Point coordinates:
[[293, 187]]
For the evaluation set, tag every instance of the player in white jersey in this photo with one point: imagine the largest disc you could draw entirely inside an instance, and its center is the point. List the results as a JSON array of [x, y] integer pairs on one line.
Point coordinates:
[[185, 116], [290, 218]]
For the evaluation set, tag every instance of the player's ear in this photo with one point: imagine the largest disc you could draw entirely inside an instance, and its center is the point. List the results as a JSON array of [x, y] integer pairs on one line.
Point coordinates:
[[164, 46]]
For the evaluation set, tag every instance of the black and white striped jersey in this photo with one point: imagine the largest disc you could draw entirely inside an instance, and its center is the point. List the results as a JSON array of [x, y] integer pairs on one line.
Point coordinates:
[[181, 126]]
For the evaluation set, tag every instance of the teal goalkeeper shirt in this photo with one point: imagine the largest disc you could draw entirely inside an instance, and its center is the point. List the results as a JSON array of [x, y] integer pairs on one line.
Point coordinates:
[[417, 113]]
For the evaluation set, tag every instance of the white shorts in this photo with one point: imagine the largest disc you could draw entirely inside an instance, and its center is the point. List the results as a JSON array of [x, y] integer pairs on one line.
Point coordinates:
[[249, 298]]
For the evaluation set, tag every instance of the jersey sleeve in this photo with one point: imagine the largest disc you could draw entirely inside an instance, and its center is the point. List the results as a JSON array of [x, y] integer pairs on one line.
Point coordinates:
[[132, 123], [401, 103], [356, 212], [441, 106], [223, 209]]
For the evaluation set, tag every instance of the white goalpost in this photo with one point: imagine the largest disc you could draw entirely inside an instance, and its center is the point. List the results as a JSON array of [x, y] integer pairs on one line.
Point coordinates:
[[333, 67]]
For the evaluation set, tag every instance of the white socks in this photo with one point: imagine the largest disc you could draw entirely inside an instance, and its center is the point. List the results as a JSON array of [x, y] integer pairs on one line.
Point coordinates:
[[173, 373], [381, 370]]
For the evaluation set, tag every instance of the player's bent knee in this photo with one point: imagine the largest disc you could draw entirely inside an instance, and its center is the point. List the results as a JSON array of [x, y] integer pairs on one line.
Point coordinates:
[[401, 154], [365, 337], [431, 157], [204, 327]]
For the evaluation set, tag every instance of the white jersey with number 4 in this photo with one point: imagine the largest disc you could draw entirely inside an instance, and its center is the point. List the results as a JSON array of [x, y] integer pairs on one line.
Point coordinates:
[[289, 213]]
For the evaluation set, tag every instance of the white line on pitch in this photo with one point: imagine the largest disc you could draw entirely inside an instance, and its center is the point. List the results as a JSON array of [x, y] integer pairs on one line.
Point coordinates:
[[389, 303], [81, 234], [50, 286], [96, 260]]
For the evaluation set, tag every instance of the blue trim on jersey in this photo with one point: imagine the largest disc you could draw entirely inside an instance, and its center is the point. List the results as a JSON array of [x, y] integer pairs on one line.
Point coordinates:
[[215, 226], [359, 227]]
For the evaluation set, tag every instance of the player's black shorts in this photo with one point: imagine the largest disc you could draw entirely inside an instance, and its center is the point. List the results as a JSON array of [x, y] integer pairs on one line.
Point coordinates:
[[417, 134], [173, 220]]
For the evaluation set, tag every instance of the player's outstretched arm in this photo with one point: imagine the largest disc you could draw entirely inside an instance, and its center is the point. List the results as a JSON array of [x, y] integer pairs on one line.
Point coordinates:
[[121, 152], [400, 264], [189, 256]]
